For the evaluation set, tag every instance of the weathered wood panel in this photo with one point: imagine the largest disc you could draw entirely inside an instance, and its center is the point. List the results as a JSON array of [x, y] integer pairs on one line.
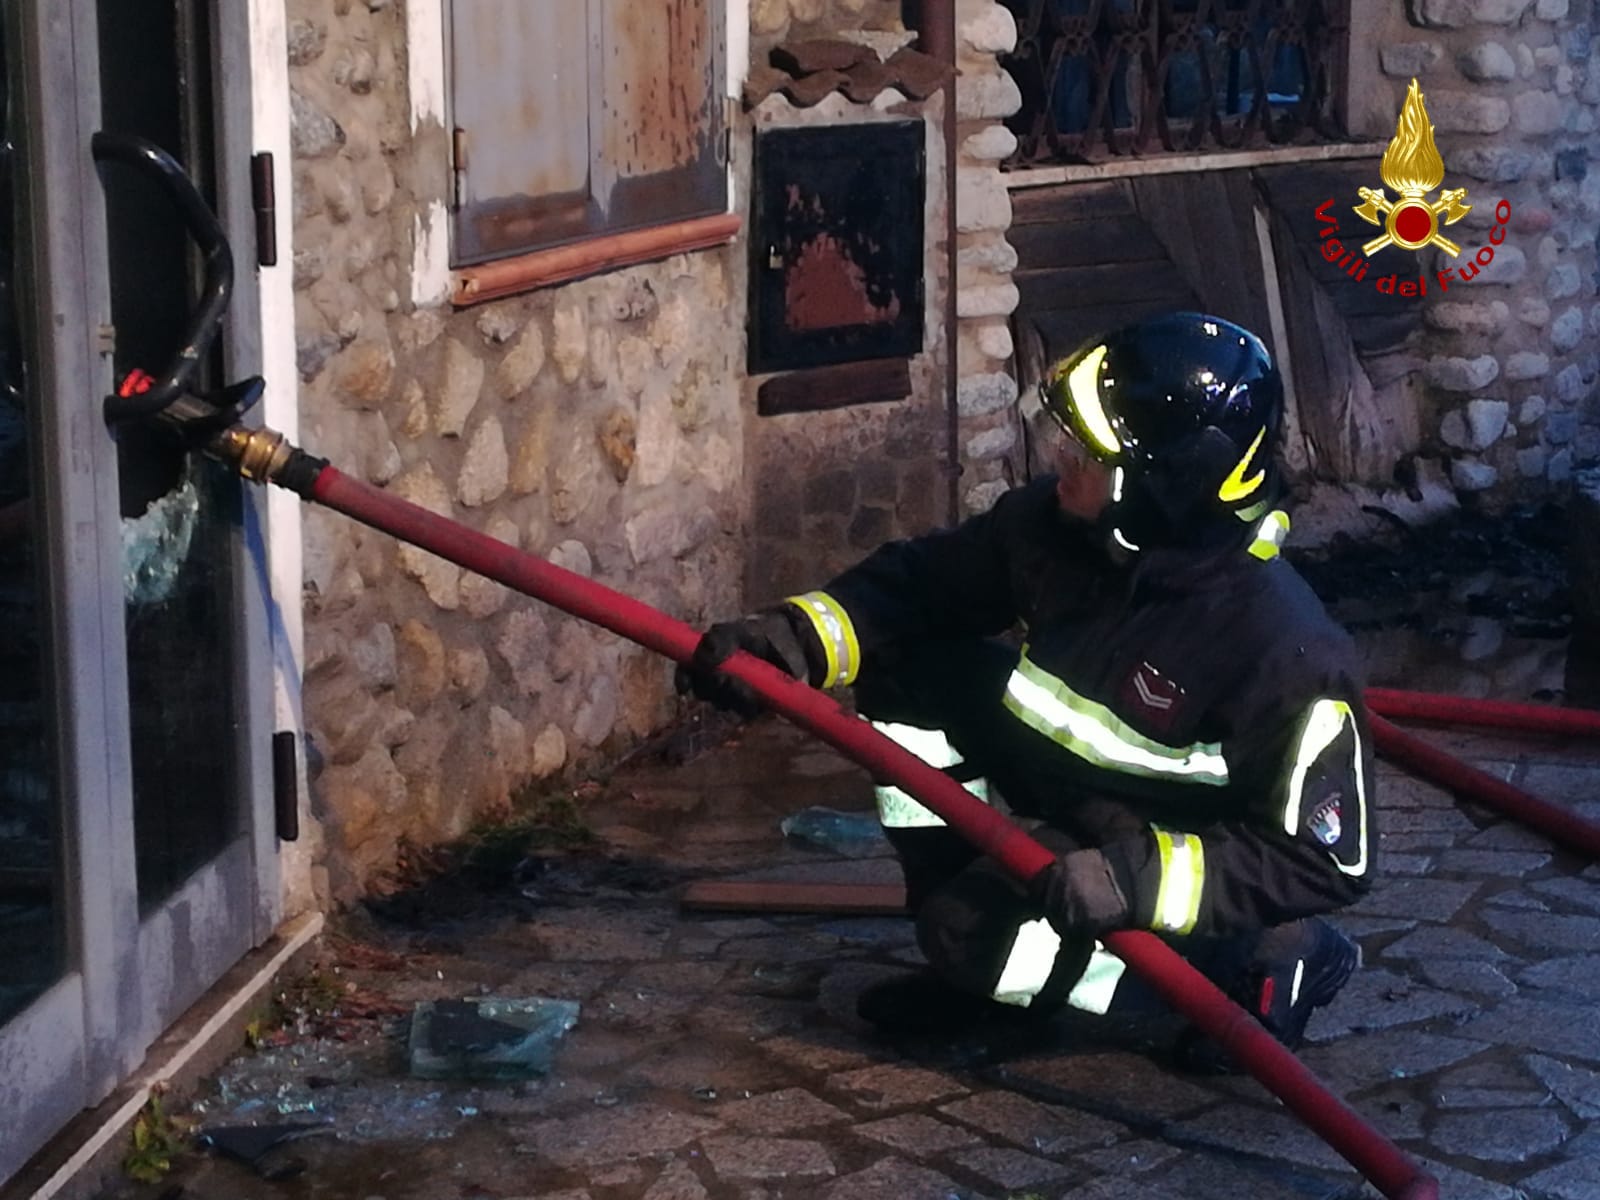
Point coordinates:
[[1093, 287], [1070, 202], [1114, 239]]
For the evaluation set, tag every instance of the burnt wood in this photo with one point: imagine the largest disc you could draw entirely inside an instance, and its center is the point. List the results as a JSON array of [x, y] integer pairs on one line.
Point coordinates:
[[838, 899], [1070, 202], [824, 388], [1114, 239]]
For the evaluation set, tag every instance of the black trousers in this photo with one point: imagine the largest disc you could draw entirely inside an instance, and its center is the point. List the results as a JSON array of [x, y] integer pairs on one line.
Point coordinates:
[[968, 910]]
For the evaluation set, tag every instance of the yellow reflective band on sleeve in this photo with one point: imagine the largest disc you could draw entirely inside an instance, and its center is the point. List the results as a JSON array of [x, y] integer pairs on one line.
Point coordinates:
[[1325, 721], [1098, 983], [1097, 735], [1270, 535], [1236, 486], [1028, 966], [837, 635], [1183, 879]]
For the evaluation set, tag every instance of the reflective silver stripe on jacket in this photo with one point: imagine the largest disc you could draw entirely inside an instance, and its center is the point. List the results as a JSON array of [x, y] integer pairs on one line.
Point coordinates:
[[1325, 721], [1033, 957], [1098, 983], [1028, 966], [1096, 734], [837, 634], [898, 809]]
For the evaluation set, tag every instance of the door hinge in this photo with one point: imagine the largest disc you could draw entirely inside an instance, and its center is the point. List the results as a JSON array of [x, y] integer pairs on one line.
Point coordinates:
[[458, 166], [286, 786], [264, 198]]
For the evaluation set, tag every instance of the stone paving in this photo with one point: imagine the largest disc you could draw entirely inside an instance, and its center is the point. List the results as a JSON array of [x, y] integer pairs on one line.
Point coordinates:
[[719, 1058]]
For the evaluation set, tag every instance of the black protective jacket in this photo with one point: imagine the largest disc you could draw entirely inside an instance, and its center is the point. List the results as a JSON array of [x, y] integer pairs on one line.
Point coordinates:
[[1185, 696]]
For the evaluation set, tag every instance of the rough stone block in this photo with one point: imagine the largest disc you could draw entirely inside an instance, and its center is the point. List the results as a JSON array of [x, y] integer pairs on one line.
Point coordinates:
[[987, 253], [1509, 265], [1512, 1136], [986, 97], [1569, 386], [917, 1135], [1487, 421], [1566, 331], [1491, 164], [1470, 475], [891, 1087], [982, 201], [993, 30], [1483, 63], [992, 443], [1455, 14], [992, 144], [1040, 1127], [1464, 112], [1531, 462], [1564, 281], [1525, 365], [1403, 60], [1454, 316], [768, 1158], [1537, 112], [987, 393], [1462, 374], [993, 300]]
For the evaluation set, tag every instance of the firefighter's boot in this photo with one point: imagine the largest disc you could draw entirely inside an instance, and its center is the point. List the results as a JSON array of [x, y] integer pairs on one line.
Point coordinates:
[[1296, 969], [925, 1003]]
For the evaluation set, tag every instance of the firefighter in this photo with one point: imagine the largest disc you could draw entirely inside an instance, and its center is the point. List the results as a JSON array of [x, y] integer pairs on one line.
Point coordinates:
[[1118, 651]]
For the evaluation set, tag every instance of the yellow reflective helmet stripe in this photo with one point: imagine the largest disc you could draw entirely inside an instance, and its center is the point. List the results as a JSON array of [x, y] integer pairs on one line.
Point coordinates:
[[1183, 878], [1083, 385], [1236, 486], [1097, 735], [837, 634], [1270, 535], [1325, 720]]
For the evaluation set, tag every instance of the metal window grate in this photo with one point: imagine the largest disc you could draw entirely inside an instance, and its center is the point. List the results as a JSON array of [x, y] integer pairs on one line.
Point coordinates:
[[1111, 78]]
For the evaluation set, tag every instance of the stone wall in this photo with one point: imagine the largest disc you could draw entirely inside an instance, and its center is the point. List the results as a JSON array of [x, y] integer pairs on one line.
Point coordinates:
[[985, 295], [1509, 360], [1513, 89], [598, 423], [827, 487]]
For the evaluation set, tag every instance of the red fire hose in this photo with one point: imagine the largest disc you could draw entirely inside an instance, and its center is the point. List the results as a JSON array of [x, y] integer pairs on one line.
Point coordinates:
[[1497, 714], [1563, 826], [1383, 1163]]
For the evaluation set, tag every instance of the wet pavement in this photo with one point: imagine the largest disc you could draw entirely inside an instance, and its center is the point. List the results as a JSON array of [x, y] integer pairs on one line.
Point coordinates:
[[718, 1057]]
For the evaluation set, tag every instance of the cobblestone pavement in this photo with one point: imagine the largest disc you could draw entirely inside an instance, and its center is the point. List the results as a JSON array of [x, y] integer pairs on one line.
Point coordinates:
[[719, 1058]]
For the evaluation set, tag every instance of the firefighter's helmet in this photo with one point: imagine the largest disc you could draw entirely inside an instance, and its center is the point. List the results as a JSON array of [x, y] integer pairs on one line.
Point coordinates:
[[1185, 407]]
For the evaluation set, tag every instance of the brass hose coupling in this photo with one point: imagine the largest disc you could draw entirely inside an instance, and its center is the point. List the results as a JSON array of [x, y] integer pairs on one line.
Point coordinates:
[[259, 455]]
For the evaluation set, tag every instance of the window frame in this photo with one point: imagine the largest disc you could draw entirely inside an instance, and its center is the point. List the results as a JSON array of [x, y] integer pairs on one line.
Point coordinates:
[[440, 275]]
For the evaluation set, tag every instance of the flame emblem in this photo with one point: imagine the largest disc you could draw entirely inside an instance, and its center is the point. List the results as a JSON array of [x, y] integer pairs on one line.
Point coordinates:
[[1412, 167]]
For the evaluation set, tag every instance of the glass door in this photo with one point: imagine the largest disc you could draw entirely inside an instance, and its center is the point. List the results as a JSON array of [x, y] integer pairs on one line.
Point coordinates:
[[135, 837]]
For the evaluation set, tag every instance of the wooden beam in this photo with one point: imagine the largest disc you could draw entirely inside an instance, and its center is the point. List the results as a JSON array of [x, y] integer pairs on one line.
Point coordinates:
[[820, 388], [828, 899]]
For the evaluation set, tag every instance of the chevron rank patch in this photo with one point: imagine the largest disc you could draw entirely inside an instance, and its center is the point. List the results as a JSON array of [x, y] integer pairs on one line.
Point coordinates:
[[1152, 697]]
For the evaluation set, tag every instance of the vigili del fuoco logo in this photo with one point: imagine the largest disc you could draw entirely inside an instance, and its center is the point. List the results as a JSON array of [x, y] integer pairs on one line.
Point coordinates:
[[1412, 168]]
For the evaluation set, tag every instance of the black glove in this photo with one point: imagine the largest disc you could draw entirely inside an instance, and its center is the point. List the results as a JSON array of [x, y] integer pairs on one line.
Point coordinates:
[[1078, 895], [778, 635]]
